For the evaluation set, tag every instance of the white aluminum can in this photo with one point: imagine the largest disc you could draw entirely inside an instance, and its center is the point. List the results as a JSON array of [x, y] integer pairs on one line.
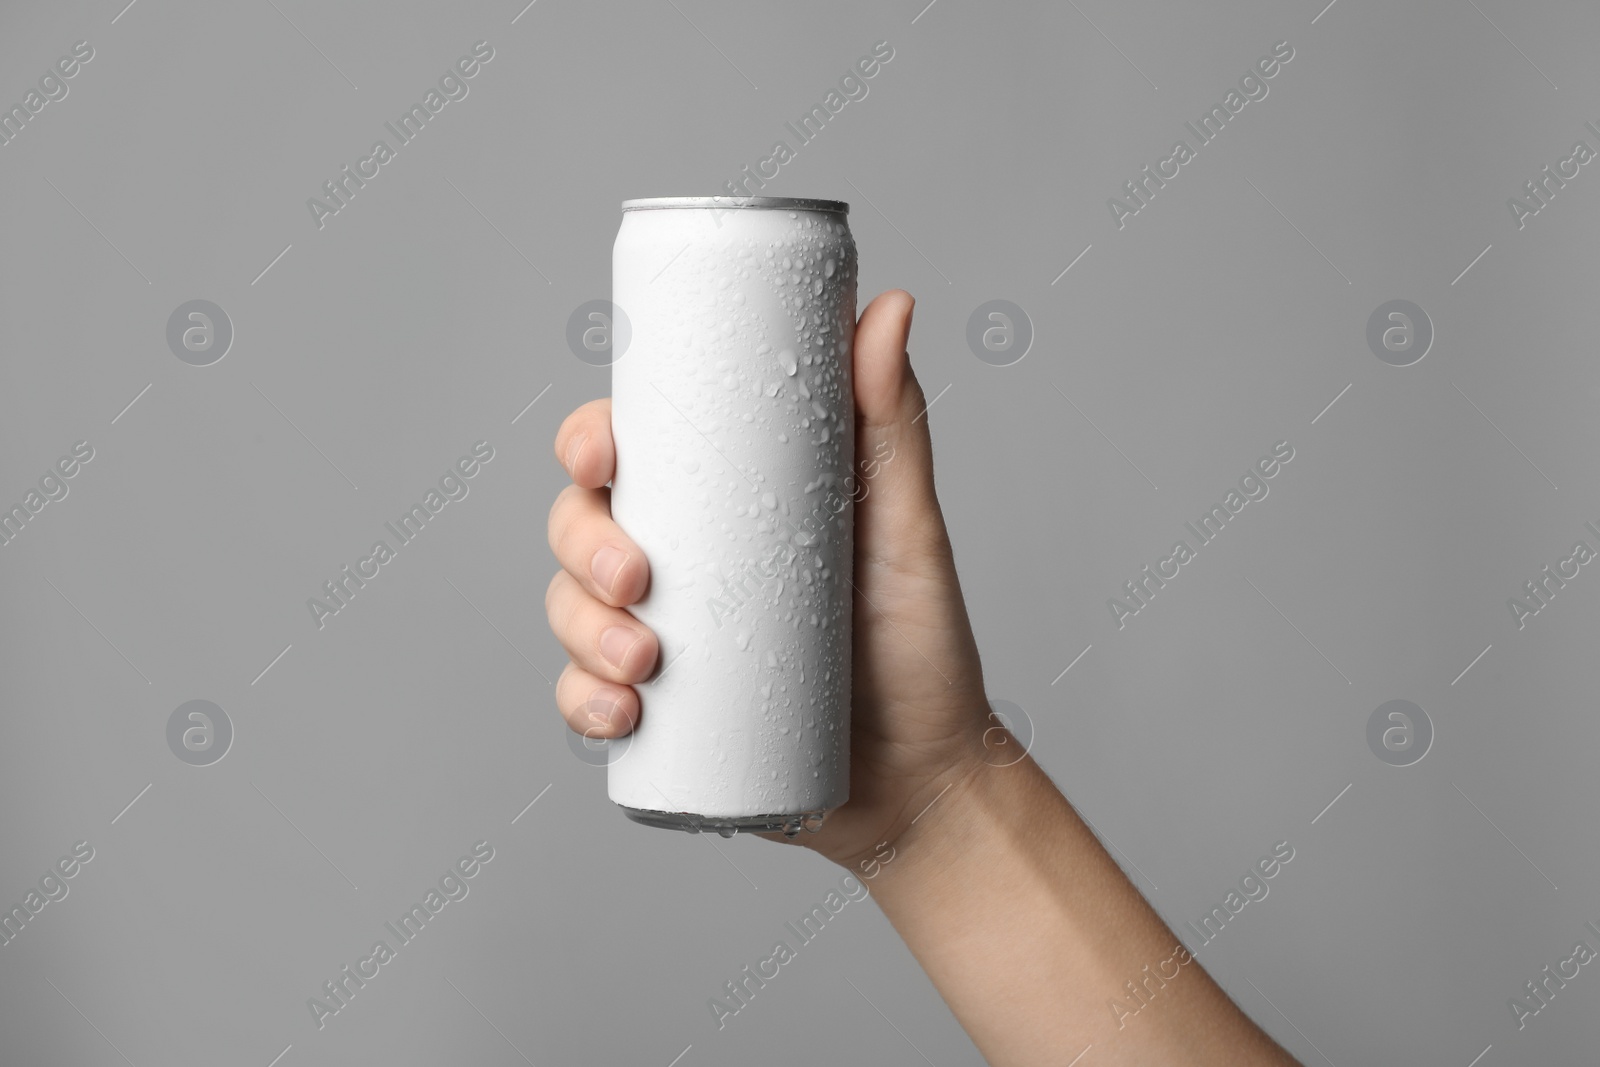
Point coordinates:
[[733, 413]]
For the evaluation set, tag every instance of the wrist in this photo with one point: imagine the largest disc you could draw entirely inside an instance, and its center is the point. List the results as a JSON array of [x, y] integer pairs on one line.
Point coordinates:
[[927, 791], [963, 823]]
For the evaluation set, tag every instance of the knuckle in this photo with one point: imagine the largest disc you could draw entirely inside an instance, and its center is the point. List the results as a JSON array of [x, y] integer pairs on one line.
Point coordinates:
[[552, 593], [566, 519], [576, 601], [564, 432], [556, 519]]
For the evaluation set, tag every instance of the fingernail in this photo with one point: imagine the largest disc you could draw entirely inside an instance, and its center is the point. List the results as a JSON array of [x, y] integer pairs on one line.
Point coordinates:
[[605, 706], [616, 642], [606, 565], [574, 449]]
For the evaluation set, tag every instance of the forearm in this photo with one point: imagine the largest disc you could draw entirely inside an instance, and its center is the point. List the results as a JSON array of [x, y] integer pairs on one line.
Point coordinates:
[[1030, 930]]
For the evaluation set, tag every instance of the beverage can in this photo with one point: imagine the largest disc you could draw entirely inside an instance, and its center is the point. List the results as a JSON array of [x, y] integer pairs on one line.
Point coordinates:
[[733, 413]]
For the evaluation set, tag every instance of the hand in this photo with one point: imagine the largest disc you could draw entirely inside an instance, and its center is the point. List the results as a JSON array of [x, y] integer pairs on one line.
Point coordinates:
[[919, 715]]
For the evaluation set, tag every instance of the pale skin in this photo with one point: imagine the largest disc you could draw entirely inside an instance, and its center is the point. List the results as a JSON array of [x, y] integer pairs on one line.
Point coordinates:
[[1026, 925]]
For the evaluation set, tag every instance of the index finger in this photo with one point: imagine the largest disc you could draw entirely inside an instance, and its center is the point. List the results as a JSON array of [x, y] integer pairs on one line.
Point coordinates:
[[584, 447]]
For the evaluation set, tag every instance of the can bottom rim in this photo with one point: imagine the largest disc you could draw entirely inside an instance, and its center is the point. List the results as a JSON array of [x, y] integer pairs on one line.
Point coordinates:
[[789, 825]]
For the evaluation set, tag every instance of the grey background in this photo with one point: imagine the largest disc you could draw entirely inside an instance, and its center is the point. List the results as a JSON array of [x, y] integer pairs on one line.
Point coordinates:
[[1224, 317]]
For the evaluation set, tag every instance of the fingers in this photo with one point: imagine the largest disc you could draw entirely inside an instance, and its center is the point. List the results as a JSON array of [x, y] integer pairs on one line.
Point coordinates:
[[603, 570], [593, 548], [583, 444], [594, 707], [884, 383], [607, 642], [897, 515]]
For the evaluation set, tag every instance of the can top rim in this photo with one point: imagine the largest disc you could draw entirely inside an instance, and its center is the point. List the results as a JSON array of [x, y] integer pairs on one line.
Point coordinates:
[[737, 203]]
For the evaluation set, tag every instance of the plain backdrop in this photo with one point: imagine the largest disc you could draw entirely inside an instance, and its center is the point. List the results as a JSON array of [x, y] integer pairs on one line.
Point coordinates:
[[370, 352]]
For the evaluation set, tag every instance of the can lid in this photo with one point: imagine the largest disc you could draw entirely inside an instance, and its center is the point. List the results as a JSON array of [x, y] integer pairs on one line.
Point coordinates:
[[737, 203]]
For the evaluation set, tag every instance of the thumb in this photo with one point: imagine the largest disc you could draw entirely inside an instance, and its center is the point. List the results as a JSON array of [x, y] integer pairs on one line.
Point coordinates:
[[898, 522]]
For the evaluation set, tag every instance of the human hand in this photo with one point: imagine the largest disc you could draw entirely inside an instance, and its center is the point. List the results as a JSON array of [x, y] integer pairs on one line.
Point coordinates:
[[919, 717]]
